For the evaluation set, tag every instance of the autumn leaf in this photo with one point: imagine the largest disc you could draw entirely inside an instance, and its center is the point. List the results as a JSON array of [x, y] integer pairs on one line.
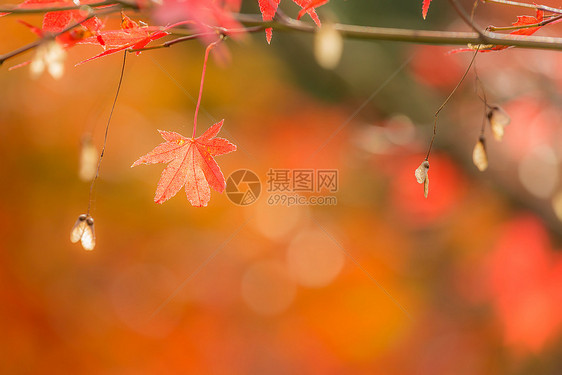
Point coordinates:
[[525, 31], [190, 164], [268, 8], [528, 20], [55, 22], [425, 7], [309, 8], [205, 17], [131, 35]]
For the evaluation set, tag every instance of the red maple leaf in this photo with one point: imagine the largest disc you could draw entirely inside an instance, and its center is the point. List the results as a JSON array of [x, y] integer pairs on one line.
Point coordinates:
[[306, 8], [131, 35], [190, 163], [425, 7], [206, 17], [521, 21], [528, 20], [55, 22], [268, 9]]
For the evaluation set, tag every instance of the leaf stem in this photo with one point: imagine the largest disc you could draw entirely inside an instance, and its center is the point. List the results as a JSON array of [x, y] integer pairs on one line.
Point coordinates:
[[106, 133], [207, 51]]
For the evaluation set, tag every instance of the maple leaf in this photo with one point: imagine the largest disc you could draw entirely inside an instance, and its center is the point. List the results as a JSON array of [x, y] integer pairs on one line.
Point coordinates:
[[528, 20], [131, 35], [425, 7], [51, 53], [190, 164], [206, 17], [521, 21], [268, 8], [55, 22]]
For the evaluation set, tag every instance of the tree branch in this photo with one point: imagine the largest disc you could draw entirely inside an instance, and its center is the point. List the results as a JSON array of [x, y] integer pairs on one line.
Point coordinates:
[[525, 5], [34, 44], [468, 20], [411, 36]]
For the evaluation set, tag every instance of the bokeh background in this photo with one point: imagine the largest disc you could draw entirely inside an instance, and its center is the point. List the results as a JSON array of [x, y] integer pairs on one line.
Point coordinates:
[[468, 281]]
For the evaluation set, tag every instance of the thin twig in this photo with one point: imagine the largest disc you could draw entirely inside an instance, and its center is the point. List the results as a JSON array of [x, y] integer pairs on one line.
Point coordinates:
[[447, 100], [468, 20], [538, 24], [525, 5], [207, 51], [106, 133]]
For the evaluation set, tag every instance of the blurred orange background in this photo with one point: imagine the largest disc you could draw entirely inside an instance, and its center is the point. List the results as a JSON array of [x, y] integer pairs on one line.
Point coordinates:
[[468, 281]]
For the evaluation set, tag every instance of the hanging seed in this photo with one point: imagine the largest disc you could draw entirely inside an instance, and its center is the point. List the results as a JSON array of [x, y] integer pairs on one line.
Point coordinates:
[[88, 159], [499, 119], [83, 231], [422, 176], [421, 172], [479, 156]]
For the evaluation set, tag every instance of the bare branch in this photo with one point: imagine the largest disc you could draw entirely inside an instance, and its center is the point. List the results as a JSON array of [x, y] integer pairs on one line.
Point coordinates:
[[412, 36], [525, 5], [468, 20]]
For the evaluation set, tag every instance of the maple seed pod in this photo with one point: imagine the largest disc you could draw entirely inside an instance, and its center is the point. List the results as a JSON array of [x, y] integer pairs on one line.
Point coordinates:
[[479, 155], [83, 231], [499, 119], [328, 46], [88, 159], [422, 176]]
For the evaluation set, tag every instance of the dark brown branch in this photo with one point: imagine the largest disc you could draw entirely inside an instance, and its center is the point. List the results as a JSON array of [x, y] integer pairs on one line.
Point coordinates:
[[412, 36], [34, 44]]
